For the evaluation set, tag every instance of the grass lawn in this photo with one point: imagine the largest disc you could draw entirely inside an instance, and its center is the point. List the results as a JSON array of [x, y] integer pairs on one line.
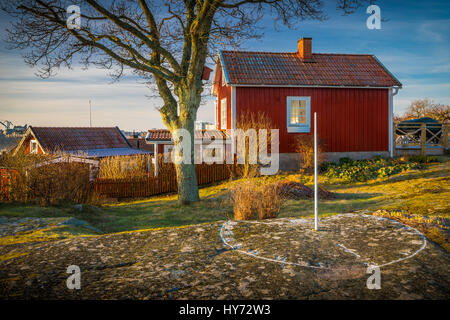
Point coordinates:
[[422, 192]]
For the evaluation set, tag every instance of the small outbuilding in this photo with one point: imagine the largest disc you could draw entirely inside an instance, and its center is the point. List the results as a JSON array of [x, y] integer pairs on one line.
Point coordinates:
[[91, 142]]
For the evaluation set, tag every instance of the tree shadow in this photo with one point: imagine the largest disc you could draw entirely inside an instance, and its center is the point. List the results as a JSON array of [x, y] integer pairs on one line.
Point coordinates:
[[358, 195]]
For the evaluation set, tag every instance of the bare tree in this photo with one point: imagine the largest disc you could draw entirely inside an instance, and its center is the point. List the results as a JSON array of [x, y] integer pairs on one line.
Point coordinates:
[[427, 108], [165, 42]]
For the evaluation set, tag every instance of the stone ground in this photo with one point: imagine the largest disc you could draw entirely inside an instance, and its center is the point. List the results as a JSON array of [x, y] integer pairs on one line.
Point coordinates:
[[274, 259]]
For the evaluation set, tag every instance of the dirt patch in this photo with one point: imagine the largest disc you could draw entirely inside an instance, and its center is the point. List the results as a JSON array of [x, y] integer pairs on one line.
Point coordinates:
[[194, 263], [296, 191]]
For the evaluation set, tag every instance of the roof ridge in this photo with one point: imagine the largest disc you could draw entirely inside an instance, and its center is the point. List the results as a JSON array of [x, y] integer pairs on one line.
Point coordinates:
[[286, 68], [319, 53], [75, 127]]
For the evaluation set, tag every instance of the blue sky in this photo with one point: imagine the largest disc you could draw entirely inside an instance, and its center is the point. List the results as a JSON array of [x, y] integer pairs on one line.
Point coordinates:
[[413, 43]]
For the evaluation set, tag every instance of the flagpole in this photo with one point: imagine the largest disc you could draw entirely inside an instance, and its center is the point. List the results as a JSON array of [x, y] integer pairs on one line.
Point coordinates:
[[316, 214]]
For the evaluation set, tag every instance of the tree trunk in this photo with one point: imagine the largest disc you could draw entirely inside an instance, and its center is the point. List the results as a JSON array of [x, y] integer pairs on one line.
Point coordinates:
[[187, 183], [186, 174]]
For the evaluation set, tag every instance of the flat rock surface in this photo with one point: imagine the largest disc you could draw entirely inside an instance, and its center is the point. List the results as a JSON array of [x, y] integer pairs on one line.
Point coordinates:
[[273, 259]]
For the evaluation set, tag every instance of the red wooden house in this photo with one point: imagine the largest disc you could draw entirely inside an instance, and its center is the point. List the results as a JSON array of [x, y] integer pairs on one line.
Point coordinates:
[[351, 93]]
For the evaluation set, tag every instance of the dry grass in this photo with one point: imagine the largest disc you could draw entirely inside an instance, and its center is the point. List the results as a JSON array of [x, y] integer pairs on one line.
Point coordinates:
[[434, 228], [243, 197], [304, 146], [255, 201], [125, 167], [270, 202], [257, 121], [46, 184], [140, 165]]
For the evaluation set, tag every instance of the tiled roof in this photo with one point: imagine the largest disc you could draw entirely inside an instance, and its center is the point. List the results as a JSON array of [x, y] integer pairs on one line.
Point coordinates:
[[266, 68], [165, 135], [111, 152], [73, 139]]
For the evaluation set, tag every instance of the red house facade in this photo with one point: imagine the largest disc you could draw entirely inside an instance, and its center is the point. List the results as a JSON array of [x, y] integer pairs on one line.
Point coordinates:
[[352, 95]]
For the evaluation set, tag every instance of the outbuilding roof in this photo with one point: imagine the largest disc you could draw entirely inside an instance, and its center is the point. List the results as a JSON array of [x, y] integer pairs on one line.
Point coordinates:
[[165, 135], [287, 69], [79, 138], [89, 142]]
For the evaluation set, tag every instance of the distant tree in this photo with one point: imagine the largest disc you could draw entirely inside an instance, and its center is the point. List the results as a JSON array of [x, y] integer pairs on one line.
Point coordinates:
[[165, 42], [440, 112], [426, 108]]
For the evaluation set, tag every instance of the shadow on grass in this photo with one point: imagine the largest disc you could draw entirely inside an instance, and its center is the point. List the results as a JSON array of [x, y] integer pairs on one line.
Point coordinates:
[[343, 203]]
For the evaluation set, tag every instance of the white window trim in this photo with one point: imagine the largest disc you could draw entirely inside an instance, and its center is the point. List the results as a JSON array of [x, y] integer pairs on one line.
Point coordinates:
[[298, 128], [223, 110], [36, 146]]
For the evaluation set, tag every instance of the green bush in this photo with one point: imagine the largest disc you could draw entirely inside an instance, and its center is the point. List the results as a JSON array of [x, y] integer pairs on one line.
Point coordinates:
[[348, 170], [423, 159]]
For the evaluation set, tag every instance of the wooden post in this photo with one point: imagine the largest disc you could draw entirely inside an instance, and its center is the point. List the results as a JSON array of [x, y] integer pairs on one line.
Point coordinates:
[[155, 158], [423, 138], [445, 137], [316, 211], [394, 137]]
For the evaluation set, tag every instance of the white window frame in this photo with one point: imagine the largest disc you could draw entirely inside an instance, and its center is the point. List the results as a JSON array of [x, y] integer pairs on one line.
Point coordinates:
[[223, 113], [34, 146], [299, 127]]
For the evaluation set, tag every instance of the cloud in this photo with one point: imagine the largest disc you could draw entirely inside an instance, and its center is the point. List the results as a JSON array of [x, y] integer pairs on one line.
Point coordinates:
[[434, 30]]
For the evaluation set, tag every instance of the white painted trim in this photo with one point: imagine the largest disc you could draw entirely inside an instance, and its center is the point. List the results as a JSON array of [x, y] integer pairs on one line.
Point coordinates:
[[216, 110], [233, 119], [223, 101], [292, 128], [391, 124], [155, 158], [233, 107], [36, 145], [159, 141]]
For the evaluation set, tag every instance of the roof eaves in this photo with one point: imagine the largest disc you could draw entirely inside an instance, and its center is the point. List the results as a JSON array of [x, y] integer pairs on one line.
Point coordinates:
[[227, 79], [29, 131], [125, 138], [387, 71]]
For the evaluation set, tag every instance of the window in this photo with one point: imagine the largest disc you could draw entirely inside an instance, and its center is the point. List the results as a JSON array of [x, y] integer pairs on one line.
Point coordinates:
[[298, 114], [223, 113], [33, 146]]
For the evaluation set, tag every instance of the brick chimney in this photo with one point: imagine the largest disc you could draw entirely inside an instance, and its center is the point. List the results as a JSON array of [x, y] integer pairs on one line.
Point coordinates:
[[305, 49]]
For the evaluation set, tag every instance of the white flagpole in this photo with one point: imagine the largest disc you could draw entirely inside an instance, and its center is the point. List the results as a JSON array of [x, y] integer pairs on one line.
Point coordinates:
[[316, 214]]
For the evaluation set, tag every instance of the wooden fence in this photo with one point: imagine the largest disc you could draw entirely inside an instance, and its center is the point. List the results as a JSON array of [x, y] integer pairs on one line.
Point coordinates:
[[420, 138], [164, 183]]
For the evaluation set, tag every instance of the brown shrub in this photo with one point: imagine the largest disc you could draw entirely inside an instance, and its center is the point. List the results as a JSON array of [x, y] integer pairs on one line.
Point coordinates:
[[258, 121], [304, 146], [57, 183], [253, 201], [36, 181], [296, 190], [269, 202]]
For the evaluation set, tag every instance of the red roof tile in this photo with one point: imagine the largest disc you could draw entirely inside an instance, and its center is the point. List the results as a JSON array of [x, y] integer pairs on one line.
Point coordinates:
[[68, 139], [266, 68], [165, 135]]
